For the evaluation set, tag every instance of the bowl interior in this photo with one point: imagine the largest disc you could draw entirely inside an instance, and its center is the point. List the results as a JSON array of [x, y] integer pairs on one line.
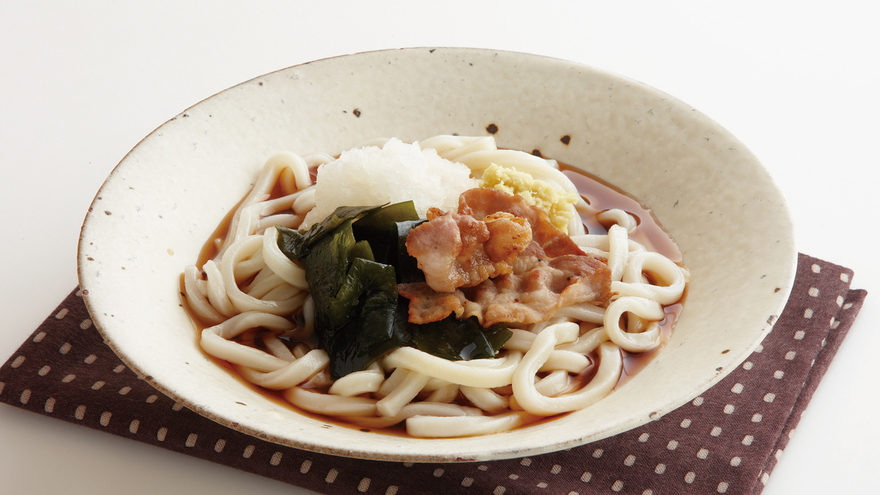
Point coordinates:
[[164, 199]]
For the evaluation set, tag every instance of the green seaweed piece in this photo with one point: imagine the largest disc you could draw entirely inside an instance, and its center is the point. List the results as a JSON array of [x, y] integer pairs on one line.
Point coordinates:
[[458, 340], [326, 268], [407, 266], [379, 328], [296, 244], [380, 229], [367, 283]]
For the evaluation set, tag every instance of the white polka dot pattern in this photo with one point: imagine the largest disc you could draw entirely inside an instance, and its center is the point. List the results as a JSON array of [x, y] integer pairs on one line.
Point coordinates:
[[725, 441]]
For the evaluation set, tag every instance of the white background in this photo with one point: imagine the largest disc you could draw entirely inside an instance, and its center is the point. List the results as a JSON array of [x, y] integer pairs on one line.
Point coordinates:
[[82, 82]]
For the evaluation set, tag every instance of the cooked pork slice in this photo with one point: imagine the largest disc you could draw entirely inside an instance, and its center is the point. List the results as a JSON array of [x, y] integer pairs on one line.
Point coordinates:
[[501, 260], [460, 251], [528, 296], [481, 202]]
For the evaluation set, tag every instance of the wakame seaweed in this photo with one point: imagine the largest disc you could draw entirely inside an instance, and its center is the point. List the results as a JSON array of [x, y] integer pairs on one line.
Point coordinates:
[[354, 260], [296, 244], [457, 340]]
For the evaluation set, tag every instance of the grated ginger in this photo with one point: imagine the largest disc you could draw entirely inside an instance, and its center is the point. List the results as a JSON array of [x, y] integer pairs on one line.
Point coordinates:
[[558, 204]]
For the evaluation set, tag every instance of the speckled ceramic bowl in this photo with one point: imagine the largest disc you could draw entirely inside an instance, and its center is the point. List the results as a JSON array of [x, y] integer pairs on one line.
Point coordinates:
[[161, 203]]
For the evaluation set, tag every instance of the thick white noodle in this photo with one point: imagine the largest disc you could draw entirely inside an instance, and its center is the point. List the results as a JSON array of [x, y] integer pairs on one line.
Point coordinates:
[[582, 312], [281, 264], [587, 342], [248, 266], [618, 217], [575, 226], [599, 245], [292, 374], [667, 273], [216, 340], [281, 204], [295, 164], [402, 395], [393, 381], [435, 384], [317, 159], [573, 362], [414, 409], [555, 383], [321, 381], [485, 399], [634, 342], [240, 323], [438, 409], [198, 300], [462, 426], [331, 405], [618, 251], [264, 283], [452, 150], [484, 373], [290, 221], [520, 340], [240, 251], [264, 184], [528, 397], [446, 393], [305, 202], [359, 382], [216, 289], [248, 222], [567, 360], [277, 348]]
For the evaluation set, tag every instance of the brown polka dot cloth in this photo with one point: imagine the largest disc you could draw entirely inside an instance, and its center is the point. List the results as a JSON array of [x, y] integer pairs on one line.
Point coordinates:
[[724, 441]]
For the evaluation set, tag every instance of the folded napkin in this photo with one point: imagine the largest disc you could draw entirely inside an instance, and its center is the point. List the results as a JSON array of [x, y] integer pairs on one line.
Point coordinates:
[[725, 441]]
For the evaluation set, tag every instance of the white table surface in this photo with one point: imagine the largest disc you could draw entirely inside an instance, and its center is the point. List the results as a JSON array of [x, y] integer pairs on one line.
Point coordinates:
[[82, 82]]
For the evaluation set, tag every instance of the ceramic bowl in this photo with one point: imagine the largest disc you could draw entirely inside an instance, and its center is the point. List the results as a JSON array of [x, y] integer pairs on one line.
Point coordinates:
[[161, 203]]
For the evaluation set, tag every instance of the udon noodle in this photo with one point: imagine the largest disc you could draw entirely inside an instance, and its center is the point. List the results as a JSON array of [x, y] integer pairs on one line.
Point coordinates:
[[258, 315]]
